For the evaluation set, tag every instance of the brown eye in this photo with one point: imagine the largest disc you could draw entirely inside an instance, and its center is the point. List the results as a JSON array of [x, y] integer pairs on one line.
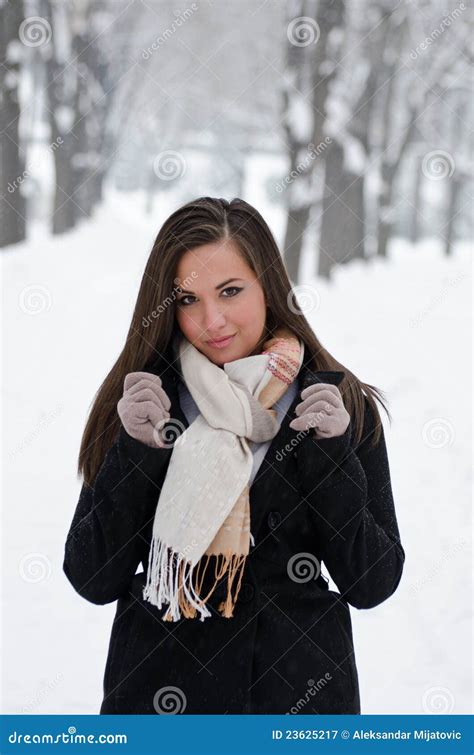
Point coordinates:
[[232, 288], [181, 301], [237, 289]]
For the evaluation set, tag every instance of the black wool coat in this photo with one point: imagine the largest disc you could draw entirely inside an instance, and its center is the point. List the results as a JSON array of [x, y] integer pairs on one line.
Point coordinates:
[[289, 647]]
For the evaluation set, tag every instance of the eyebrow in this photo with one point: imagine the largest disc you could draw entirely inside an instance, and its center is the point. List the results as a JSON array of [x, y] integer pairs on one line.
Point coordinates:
[[221, 285]]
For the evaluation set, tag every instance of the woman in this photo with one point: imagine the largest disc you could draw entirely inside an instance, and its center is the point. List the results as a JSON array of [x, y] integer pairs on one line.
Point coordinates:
[[229, 453]]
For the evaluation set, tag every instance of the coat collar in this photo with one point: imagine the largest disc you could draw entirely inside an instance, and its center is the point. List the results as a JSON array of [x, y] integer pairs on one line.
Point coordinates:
[[282, 445]]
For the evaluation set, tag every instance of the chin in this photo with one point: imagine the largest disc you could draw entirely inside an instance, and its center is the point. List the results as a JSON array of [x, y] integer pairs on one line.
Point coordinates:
[[228, 355]]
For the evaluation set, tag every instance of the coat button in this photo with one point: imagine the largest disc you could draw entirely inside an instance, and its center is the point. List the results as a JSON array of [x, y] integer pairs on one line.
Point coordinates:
[[274, 519], [246, 592]]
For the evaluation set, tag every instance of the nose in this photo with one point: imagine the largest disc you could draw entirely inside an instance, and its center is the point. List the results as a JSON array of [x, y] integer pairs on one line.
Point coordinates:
[[213, 319]]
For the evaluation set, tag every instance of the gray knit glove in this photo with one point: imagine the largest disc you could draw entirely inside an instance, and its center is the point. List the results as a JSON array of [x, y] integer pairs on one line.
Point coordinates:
[[323, 410], [144, 408]]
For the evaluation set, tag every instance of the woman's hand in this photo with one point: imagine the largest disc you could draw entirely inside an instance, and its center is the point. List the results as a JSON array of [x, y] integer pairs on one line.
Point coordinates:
[[323, 410], [144, 408]]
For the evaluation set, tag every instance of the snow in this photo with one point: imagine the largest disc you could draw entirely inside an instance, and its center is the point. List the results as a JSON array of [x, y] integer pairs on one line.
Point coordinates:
[[400, 324], [300, 117]]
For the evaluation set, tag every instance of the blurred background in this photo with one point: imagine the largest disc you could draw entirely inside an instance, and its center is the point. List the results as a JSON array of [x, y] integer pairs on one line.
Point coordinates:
[[348, 125]]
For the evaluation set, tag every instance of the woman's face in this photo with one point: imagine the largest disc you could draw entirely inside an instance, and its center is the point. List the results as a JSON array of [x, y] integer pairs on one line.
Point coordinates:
[[221, 296]]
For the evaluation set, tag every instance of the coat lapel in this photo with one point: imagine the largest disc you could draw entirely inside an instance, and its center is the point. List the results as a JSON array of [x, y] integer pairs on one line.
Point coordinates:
[[281, 448]]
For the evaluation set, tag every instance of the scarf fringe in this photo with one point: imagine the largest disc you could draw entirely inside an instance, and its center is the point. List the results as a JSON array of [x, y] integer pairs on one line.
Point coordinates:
[[174, 576]]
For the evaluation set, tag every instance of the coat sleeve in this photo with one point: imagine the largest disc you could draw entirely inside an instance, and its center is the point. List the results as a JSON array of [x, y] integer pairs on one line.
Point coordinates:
[[350, 500], [102, 548]]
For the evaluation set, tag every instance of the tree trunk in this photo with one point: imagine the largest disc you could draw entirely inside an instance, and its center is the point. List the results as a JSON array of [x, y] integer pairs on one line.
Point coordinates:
[[454, 184], [385, 219], [320, 59], [297, 221], [342, 224], [89, 124], [12, 162], [414, 231], [61, 98], [385, 232], [64, 209]]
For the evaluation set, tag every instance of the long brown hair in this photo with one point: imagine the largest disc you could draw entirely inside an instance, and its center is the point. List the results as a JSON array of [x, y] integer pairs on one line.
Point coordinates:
[[202, 221]]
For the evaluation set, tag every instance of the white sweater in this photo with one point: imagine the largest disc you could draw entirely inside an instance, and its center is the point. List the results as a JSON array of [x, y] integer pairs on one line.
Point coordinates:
[[191, 411]]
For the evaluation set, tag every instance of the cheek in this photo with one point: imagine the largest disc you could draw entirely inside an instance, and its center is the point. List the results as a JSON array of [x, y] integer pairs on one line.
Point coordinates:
[[185, 323], [254, 308]]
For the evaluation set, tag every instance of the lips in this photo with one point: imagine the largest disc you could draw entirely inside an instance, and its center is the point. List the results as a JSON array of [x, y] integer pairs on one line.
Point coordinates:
[[221, 342]]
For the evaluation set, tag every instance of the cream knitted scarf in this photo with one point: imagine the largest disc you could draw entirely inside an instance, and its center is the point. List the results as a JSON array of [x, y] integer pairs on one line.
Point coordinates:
[[203, 508]]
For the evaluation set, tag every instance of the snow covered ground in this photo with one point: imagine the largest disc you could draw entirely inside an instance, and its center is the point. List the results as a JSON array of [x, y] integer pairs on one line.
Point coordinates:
[[402, 325]]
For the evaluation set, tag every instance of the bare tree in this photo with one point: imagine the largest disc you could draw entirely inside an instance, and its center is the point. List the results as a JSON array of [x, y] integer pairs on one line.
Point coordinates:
[[12, 156], [417, 86], [80, 59], [310, 70]]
